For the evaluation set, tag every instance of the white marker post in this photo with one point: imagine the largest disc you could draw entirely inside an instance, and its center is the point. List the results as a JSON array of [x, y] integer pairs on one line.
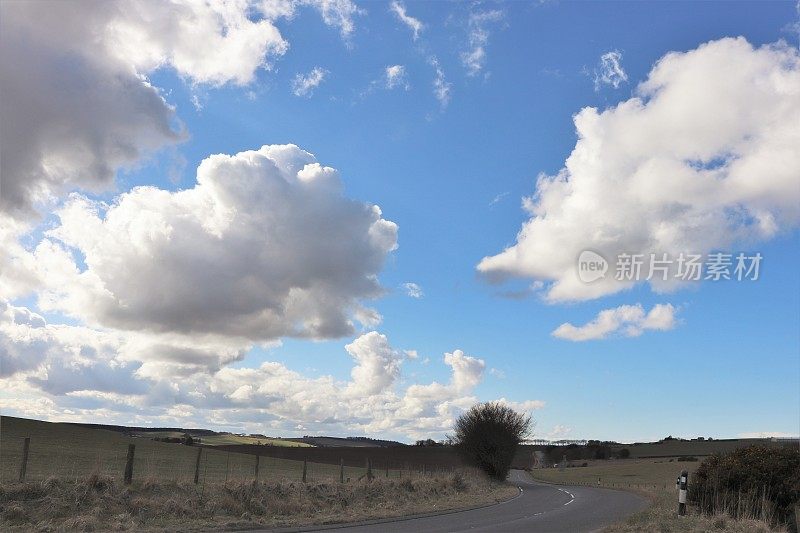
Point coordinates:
[[683, 483]]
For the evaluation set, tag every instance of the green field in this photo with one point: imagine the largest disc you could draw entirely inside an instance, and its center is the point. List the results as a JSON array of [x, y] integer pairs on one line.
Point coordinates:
[[73, 452], [624, 473]]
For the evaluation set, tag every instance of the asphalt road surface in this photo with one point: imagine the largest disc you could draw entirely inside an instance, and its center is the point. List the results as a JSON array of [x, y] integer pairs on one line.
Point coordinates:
[[538, 508]]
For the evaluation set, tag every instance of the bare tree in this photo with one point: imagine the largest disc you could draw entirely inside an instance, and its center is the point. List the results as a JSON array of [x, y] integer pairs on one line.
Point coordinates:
[[487, 436]]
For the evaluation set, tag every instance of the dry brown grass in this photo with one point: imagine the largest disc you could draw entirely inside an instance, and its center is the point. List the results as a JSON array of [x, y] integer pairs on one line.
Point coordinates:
[[662, 516], [99, 502]]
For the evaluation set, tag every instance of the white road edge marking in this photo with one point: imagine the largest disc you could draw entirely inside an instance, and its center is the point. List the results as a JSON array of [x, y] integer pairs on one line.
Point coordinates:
[[572, 496]]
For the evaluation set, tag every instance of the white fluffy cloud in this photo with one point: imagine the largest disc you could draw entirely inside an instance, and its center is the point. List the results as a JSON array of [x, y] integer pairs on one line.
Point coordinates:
[[305, 84], [415, 25], [474, 59], [377, 364], [77, 104], [625, 320], [609, 71], [264, 246], [74, 127], [703, 158]]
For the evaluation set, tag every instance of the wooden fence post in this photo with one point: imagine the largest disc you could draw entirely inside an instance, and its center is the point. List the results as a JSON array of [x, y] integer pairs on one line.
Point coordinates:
[[305, 469], [387, 467], [205, 477], [23, 467], [341, 470], [227, 465], [258, 459], [197, 466], [369, 469], [129, 464]]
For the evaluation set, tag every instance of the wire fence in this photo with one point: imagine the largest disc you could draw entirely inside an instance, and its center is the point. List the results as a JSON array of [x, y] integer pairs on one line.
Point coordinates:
[[32, 459]]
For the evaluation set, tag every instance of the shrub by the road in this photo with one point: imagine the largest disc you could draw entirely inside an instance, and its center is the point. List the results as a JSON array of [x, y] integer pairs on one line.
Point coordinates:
[[487, 437], [756, 482]]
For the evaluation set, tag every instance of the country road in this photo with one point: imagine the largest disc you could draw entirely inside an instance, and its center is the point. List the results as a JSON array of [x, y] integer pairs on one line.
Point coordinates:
[[538, 508]]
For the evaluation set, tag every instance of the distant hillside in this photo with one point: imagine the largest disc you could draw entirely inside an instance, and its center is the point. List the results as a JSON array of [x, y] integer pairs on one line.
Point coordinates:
[[595, 450], [138, 429], [206, 437], [209, 437], [698, 448], [349, 442]]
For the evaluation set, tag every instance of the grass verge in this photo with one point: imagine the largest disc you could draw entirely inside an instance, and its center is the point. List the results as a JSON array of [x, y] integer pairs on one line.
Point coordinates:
[[101, 503], [662, 516]]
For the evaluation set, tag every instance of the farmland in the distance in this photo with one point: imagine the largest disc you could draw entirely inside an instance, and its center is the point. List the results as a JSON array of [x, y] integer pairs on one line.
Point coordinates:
[[220, 439], [623, 473]]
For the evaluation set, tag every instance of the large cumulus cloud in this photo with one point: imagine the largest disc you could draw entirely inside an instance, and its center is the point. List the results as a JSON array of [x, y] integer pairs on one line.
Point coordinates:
[[704, 157], [264, 246]]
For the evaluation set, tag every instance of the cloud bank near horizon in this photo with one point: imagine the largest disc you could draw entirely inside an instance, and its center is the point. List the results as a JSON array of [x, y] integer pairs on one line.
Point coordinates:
[[74, 373]]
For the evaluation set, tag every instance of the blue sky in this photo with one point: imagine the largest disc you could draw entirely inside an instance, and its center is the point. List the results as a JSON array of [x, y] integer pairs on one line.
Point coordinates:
[[452, 175]]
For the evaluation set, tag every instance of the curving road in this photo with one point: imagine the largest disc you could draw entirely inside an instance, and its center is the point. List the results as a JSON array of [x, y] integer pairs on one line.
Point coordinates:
[[539, 507]]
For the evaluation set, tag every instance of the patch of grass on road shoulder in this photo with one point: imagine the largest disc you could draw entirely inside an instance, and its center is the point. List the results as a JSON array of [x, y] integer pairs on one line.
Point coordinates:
[[101, 503]]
